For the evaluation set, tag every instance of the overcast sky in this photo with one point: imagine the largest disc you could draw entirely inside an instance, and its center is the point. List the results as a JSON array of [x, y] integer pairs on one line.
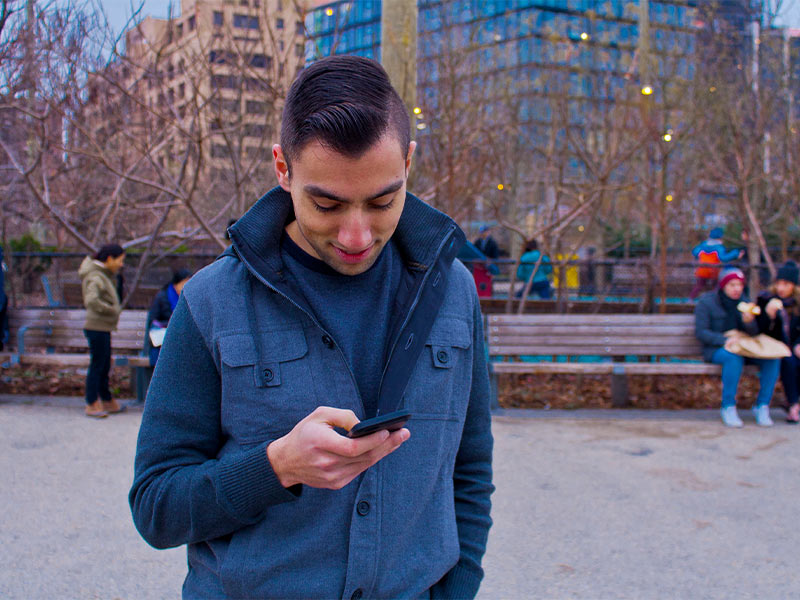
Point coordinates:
[[119, 11]]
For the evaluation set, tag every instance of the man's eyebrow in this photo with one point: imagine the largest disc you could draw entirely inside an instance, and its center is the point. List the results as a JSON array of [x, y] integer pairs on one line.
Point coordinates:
[[318, 192]]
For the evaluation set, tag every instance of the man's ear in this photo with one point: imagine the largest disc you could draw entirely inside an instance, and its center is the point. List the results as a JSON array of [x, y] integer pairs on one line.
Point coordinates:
[[281, 168], [411, 147]]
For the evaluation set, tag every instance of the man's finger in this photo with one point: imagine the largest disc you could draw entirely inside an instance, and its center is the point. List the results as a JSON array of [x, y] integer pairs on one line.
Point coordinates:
[[335, 417]]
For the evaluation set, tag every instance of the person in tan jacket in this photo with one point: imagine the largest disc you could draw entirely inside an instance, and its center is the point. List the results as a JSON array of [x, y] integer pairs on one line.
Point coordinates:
[[102, 304]]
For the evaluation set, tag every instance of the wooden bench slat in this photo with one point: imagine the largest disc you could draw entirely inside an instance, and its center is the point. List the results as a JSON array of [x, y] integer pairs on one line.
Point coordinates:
[[76, 360], [593, 320], [567, 330], [543, 340], [594, 350]]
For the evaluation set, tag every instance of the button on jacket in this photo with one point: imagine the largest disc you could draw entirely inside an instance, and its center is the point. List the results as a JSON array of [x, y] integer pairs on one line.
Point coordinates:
[[244, 360]]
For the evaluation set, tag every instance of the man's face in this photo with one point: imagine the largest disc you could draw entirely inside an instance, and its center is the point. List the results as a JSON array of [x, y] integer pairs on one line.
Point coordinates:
[[346, 209], [115, 264], [784, 288], [733, 289]]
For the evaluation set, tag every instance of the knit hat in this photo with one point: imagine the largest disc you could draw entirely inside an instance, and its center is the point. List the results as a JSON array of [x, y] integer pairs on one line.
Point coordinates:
[[789, 272], [716, 233], [728, 273]]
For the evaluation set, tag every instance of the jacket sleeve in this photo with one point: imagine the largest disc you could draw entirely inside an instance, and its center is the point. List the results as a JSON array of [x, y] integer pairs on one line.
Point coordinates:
[[702, 326], [728, 255], [472, 482], [93, 299], [160, 308], [772, 327], [183, 490], [697, 249]]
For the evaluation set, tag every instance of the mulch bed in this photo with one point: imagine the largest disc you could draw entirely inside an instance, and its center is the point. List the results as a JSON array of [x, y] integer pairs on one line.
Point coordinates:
[[57, 381], [516, 391], [594, 391]]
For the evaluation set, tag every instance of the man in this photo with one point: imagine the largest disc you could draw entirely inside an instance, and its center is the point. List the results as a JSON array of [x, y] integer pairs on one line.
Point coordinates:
[[323, 311], [486, 243], [711, 254]]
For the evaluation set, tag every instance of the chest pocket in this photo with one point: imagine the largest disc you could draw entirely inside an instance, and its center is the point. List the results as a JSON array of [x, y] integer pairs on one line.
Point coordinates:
[[265, 395], [443, 372]]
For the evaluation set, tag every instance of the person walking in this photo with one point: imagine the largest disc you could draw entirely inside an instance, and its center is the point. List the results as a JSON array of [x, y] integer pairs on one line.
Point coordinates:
[[711, 253], [339, 300], [541, 279], [161, 309], [716, 313], [102, 303], [780, 318]]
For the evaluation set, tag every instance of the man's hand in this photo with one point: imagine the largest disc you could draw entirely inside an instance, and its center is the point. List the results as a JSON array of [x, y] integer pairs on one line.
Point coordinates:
[[732, 336], [314, 454], [747, 317]]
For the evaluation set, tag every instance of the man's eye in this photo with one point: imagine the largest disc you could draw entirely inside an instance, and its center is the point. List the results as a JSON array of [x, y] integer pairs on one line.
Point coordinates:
[[324, 209], [386, 206]]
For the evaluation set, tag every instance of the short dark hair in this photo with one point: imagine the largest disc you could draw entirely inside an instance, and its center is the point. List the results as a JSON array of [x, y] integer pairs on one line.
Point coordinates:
[[346, 103], [531, 246], [112, 250], [180, 275]]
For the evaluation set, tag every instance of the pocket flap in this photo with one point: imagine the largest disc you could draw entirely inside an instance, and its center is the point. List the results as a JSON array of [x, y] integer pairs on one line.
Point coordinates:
[[237, 350], [450, 331], [277, 346]]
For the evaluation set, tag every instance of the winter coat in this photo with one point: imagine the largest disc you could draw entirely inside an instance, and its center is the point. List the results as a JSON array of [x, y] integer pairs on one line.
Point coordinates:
[[100, 298], [244, 360]]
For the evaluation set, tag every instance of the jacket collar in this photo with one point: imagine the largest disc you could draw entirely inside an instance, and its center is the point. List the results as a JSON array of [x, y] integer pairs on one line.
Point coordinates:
[[256, 237]]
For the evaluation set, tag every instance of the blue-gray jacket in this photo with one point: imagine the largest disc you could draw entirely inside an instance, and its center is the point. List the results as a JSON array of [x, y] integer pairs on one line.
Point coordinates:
[[243, 361], [709, 323]]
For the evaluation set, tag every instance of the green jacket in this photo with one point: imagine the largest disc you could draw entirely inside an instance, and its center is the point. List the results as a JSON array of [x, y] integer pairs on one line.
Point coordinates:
[[99, 296]]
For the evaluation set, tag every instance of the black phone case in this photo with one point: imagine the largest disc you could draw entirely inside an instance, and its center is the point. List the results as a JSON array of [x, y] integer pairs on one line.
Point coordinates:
[[391, 421]]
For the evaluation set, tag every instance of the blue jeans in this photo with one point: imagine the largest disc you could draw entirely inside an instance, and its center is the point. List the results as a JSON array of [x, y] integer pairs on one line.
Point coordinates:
[[542, 288], [732, 365]]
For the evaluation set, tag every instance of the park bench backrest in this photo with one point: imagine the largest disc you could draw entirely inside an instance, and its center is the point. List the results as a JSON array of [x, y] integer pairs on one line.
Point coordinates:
[[63, 328], [592, 335]]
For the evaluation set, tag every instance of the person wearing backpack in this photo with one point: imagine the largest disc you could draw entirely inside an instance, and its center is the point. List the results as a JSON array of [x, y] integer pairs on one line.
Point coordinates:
[[711, 254]]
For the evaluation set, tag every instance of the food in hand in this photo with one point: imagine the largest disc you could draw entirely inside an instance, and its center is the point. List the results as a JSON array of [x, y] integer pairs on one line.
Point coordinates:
[[749, 307]]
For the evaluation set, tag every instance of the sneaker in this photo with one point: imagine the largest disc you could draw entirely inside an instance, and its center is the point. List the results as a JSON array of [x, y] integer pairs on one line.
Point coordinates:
[[761, 413], [730, 417], [95, 410]]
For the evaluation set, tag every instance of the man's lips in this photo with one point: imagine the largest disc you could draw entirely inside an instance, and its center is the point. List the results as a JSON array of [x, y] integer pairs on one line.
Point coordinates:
[[353, 258]]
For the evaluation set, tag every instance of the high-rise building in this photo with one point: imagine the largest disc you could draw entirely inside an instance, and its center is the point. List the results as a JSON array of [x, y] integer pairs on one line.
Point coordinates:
[[213, 76]]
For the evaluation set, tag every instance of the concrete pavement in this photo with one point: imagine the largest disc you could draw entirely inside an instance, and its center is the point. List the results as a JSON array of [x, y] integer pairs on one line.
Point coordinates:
[[587, 506]]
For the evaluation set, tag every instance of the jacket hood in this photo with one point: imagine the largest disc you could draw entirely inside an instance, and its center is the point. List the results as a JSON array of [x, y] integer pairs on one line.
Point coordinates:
[[90, 265]]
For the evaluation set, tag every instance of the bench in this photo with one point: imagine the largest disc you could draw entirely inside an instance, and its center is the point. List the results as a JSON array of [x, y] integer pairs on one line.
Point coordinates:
[[54, 336], [654, 341]]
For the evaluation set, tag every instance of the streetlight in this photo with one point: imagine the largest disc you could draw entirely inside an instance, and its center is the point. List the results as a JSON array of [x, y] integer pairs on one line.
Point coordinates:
[[329, 12], [500, 187], [647, 90], [417, 110], [669, 198], [584, 36]]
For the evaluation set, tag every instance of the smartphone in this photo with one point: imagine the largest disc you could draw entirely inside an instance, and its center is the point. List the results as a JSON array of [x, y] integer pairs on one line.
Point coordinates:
[[391, 421]]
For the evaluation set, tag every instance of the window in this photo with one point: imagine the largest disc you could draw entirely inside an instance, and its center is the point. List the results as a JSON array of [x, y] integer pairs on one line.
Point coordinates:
[[299, 28], [223, 81], [182, 90], [279, 23], [179, 30], [299, 50], [254, 107], [260, 61], [192, 23], [219, 151], [245, 22], [255, 130], [219, 19]]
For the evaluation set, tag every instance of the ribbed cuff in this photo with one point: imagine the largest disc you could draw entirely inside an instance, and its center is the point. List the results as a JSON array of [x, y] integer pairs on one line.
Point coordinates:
[[460, 582], [249, 485]]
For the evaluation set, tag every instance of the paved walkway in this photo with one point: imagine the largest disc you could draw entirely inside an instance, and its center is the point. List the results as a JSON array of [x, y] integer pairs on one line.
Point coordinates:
[[587, 506]]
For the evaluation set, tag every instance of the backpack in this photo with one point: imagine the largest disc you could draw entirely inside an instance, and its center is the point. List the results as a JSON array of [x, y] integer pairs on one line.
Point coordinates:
[[708, 258]]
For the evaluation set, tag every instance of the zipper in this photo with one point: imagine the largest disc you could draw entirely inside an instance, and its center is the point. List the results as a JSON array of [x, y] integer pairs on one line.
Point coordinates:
[[410, 311]]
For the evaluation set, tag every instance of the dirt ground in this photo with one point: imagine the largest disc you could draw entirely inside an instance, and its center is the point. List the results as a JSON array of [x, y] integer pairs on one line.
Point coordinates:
[[516, 391]]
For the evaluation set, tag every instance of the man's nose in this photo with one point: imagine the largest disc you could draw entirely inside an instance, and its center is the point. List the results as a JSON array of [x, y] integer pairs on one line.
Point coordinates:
[[355, 234]]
